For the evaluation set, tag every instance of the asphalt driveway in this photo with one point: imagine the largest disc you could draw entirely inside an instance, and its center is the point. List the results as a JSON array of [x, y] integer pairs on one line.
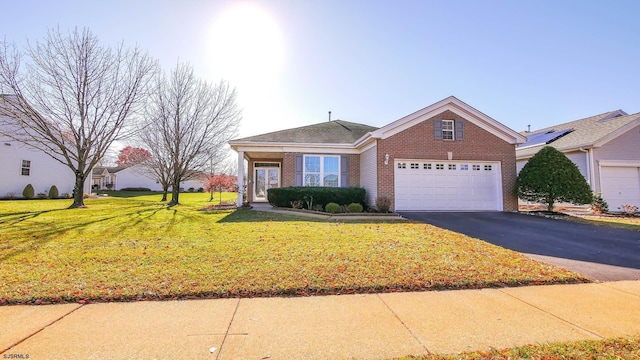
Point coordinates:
[[600, 253]]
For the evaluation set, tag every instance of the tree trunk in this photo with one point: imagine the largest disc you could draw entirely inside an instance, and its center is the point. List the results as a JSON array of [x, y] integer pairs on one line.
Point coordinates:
[[211, 195], [550, 205], [175, 193], [78, 192], [165, 190]]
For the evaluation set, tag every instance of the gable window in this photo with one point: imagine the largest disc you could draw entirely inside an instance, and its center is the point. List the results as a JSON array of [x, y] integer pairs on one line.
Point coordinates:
[[321, 170], [447, 130], [26, 168]]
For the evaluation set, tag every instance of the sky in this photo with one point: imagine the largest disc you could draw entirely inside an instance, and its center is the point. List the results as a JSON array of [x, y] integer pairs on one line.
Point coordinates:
[[536, 63]]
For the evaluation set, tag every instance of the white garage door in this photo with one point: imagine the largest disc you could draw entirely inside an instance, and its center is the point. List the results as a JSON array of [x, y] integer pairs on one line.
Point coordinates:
[[620, 185], [447, 185]]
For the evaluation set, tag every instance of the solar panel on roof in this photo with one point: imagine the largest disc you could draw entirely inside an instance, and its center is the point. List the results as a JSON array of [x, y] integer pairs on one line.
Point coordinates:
[[544, 137]]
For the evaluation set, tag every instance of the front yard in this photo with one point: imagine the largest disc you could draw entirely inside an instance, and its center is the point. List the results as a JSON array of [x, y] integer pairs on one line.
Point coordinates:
[[136, 248]]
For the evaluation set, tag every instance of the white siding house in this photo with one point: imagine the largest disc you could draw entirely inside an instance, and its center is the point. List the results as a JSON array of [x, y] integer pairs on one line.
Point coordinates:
[[22, 165]]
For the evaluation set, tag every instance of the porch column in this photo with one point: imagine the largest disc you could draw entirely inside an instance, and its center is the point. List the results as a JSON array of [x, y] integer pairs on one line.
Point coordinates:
[[240, 177]]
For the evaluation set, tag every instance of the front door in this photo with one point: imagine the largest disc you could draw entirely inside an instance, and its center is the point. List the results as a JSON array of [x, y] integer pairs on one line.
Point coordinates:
[[267, 176]]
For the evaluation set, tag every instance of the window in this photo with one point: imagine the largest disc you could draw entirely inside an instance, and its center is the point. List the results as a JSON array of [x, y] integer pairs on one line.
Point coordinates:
[[452, 166], [415, 165], [321, 170], [487, 168], [476, 167], [439, 166], [447, 130], [464, 167], [427, 166], [402, 165], [26, 167]]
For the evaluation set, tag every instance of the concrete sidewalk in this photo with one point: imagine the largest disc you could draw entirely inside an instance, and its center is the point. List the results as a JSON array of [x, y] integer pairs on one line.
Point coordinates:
[[372, 326]]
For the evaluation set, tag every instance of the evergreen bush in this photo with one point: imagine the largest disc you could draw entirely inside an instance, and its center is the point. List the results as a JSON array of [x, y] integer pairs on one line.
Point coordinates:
[[550, 177], [285, 196], [53, 192], [332, 208], [28, 192]]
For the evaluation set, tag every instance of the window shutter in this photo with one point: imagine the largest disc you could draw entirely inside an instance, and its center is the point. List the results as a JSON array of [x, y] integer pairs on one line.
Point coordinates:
[[437, 125], [344, 171], [299, 169], [459, 125]]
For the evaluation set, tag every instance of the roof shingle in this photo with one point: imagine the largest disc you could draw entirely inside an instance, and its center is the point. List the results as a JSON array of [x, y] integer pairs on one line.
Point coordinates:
[[586, 132], [331, 132]]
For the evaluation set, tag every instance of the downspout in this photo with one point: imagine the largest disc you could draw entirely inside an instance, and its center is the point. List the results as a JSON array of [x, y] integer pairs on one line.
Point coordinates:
[[590, 174]]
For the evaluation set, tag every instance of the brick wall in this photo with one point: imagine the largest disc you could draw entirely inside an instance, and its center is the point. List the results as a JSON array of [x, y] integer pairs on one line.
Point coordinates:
[[418, 142]]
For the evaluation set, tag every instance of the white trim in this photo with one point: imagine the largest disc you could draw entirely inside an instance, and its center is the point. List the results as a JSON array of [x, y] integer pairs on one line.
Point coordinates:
[[240, 178], [619, 163], [301, 148]]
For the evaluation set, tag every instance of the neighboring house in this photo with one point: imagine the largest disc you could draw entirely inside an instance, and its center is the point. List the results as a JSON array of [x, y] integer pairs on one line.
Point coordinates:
[[22, 165], [606, 149], [136, 177], [447, 156]]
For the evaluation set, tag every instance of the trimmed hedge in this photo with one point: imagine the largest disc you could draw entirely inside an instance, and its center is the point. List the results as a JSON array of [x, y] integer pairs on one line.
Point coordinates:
[[284, 196], [28, 192], [53, 192]]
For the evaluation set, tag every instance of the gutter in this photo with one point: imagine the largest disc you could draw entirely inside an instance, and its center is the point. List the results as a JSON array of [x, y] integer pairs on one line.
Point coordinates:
[[590, 173]]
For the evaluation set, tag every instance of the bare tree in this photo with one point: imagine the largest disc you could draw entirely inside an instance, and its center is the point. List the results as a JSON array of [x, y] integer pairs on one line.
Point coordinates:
[[73, 98], [159, 165], [193, 120]]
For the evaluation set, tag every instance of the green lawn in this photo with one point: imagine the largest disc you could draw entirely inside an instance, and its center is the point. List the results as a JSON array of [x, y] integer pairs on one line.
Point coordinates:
[[136, 248], [619, 348]]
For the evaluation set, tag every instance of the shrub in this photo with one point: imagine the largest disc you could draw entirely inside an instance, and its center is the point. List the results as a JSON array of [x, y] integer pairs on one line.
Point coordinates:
[[549, 177], [135, 189], [298, 204], [200, 189], [282, 197], [53, 192], [599, 205], [65, 196], [332, 208], [383, 204], [42, 195], [628, 209], [11, 195], [355, 208], [28, 192], [191, 189]]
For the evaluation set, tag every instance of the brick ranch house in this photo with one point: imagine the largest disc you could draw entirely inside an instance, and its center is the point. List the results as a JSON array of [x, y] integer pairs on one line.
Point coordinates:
[[446, 156]]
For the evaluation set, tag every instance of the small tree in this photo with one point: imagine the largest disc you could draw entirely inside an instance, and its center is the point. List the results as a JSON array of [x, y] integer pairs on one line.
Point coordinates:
[[219, 183], [130, 156], [549, 177]]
